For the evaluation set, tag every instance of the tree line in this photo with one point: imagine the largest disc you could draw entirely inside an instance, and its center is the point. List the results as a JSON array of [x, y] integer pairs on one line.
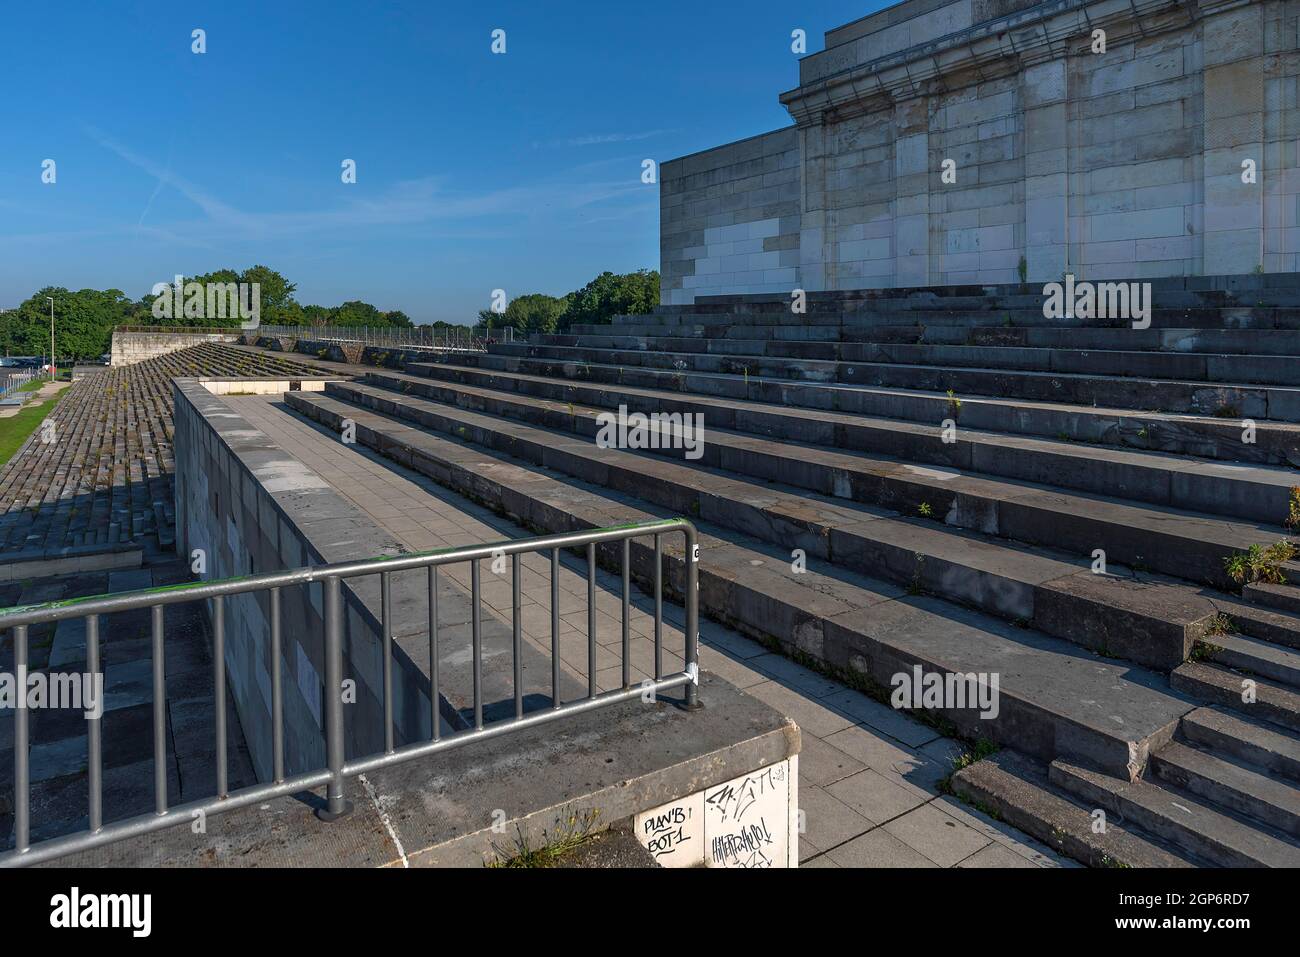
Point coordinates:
[[84, 319], [599, 301]]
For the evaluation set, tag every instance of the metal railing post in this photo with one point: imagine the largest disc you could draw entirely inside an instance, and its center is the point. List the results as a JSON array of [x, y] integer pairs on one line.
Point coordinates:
[[22, 766], [337, 804], [94, 733], [692, 603]]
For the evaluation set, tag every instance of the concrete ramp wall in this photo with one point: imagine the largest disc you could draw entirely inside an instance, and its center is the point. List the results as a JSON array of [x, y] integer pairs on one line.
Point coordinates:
[[131, 346]]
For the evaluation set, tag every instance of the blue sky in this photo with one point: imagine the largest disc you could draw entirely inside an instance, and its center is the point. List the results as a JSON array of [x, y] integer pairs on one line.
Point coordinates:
[[474, 171]]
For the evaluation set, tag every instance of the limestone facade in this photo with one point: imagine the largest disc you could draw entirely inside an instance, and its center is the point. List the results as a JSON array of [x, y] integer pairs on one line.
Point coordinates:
[[1134, 162]]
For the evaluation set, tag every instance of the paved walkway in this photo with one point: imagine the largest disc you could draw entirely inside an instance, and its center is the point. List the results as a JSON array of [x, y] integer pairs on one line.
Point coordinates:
[[869, 775], [35, 398]]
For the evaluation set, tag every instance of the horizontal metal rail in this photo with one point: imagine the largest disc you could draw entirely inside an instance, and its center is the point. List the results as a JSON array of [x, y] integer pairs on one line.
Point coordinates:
[[19, 620], [191, 330], [393, 337]]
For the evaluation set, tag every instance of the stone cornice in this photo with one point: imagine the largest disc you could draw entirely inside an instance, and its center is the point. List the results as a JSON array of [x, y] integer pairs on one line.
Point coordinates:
[[1028, 36]]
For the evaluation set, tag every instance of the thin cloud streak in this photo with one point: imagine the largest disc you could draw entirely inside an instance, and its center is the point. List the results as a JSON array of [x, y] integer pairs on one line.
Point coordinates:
[[410, 202]]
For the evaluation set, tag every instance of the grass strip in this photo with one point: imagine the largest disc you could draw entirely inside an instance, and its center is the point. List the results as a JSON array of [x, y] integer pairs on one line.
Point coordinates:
[[15, 429]]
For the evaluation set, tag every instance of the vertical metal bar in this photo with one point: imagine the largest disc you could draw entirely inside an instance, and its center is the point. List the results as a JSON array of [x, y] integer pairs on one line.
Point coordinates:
[[517, 606], [555, 627], [386, 623], [94, 742], [159, 714], [277, 689], [337, 805], [659, 606], [627, 613], [692, 615], [22, 770], [219, 686], [435, 716], [591, 619], [477, 628]]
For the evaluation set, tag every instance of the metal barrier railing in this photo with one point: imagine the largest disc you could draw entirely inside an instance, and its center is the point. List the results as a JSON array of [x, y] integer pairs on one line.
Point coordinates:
[[393, 337], [12, 380], [338, 768], [189, 330]]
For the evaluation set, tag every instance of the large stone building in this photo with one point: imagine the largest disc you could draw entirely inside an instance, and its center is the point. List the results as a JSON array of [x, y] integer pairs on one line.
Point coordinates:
[[1131, 162]]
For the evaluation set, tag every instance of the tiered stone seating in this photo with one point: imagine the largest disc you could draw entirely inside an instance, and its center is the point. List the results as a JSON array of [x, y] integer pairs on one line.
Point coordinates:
[[951, 464]]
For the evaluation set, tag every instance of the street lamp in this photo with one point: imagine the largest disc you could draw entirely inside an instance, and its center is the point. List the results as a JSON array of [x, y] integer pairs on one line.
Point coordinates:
[[51, 299]]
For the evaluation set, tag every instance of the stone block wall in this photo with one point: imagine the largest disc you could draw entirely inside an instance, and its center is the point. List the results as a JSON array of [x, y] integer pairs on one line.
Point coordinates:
[[131, 347], [1126, 163], [730, 219], [251, 508]]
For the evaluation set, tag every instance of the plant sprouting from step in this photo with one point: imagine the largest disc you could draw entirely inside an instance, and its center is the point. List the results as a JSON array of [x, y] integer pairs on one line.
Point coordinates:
[[1260, 564], [1219, 624], [1293, 510], [573, 834], [954, 404], [914, 587], [981, 749], [925, 510]]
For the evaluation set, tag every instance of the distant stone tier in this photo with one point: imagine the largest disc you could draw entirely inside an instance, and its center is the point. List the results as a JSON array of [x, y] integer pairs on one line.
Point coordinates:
[[999, 141]]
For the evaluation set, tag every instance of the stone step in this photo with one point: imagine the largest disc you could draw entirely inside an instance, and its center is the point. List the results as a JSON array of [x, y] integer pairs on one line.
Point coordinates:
[[1227, 400], [1259, 493], [1240, 789], [1267, 342], [1185, 820], [1139, 618], [1157, 538], [1219, 685], [1015, 789], [1243, 653], [1184, 366], [1253, 742], [1275, 443], [824, 360], [1267, 624], [1053, 697], [820, 340], [1236, 316], [1281, 597]]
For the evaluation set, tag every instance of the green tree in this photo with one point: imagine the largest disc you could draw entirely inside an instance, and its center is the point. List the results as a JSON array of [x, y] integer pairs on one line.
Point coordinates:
[[534, 312], [610, 295], [354, 312], [278, 305], [83, 322]]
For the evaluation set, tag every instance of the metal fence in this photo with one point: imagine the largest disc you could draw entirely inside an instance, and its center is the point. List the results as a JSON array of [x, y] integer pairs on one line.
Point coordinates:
[[188, 330], [414, 337], [339, 768], [12, 380]]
